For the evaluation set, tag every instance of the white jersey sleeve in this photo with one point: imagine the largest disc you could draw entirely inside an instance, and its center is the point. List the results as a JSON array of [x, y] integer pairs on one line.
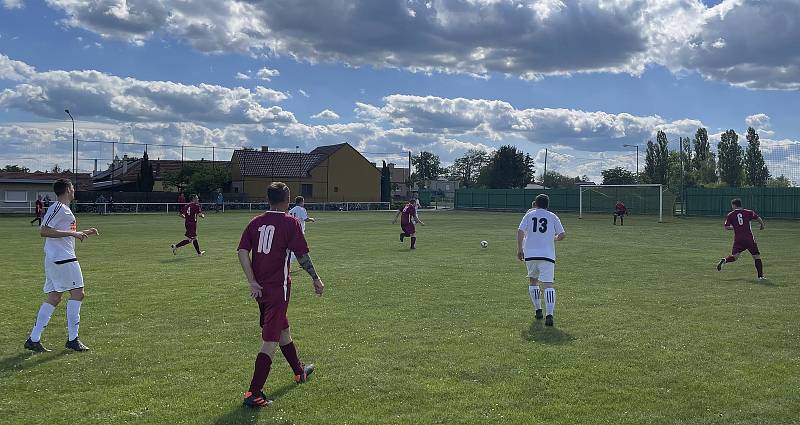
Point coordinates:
[[540, 227]]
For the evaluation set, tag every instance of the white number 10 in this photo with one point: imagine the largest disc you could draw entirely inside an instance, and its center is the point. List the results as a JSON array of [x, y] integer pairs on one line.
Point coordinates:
[[265, 234], [739, 216]]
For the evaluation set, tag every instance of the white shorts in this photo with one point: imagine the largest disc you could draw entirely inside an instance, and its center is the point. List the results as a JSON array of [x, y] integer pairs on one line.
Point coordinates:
[[541, 270], [62, 277]]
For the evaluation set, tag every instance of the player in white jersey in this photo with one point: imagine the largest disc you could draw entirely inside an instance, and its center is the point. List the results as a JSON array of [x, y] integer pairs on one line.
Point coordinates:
[[300, 213], [536, 236], [61, 269]]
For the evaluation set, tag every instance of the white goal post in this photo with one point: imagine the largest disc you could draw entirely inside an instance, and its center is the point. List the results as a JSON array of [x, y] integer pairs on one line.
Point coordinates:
[[660, 187]]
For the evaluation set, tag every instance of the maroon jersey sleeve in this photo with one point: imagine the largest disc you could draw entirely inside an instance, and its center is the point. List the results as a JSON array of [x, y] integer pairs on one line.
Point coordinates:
[[246, 242], [753, 215], [297, 241], [728, 221]]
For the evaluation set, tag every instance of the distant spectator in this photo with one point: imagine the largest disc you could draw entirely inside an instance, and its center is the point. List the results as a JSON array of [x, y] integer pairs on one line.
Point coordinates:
[[39, 210], [220, 202], [47, 201], [110, 204]]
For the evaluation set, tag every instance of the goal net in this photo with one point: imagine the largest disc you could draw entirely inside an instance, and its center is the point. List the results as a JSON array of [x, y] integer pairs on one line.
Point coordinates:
[[640, 199]]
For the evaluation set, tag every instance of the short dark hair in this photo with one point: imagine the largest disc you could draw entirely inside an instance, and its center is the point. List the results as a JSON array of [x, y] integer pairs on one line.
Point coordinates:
[[299, 200], [542, 200], [194, 196], [60, 186], [736, 202], [277, 192]]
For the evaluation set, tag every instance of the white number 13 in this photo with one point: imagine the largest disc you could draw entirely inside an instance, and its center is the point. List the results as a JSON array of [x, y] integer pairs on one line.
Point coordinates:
[[265, 234], [739, 216]]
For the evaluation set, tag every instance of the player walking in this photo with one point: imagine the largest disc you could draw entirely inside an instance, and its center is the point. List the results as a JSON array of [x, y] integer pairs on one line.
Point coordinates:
[[620, 211], [61, 269], [39, 209], [264, 255], [536, 236], [300, 213], [409, 216], [190, 212], [739, 220]]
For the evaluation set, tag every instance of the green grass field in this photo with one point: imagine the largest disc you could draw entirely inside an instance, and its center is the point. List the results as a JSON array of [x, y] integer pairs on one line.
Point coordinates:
[[647, 331]]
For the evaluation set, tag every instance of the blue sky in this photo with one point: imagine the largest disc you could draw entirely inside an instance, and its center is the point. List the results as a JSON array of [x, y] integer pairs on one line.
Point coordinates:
[[585, 97]]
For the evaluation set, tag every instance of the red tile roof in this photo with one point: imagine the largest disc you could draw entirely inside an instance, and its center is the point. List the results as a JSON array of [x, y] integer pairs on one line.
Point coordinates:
[[281, 164]]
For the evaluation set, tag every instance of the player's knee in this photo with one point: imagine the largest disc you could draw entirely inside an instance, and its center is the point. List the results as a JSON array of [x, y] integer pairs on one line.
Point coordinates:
[[286, 337], [77, 294], [53, 298], [547, 284], [269, 347], [756, 257]]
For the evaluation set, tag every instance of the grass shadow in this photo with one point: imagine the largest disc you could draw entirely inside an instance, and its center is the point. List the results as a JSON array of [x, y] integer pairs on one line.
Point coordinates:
[[752, 281], [26, 360], [249, 415], [538, 332], [173, 259]]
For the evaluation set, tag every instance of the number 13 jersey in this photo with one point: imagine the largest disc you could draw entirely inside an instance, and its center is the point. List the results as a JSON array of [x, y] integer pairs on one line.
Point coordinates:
[[271, 238], [540, 227]]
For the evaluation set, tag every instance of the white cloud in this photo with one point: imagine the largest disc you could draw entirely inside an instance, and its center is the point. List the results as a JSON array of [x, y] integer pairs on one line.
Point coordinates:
[[326, 115], [241, 76], [97, 94], [303, 93], [12, 4], [267, 74]]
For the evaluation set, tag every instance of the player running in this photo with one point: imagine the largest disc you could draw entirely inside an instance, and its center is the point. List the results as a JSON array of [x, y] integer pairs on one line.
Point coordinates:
[[39, 210], [264, 255], [300, 214], [620, 211], [536, 236], [190, 212], [409, 216], [739, 220], [62, 273]]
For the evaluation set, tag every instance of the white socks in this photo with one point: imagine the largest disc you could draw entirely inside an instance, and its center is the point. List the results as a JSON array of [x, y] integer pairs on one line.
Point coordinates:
[[537, 301], [73, 318], [42, 319], [550, 299]]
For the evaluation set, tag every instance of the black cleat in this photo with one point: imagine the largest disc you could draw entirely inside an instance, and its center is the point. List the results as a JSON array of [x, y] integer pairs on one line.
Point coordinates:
[[256, 400], [174, 249], [719, 265], [402, 235], [539, 315], [307, 371], [548, 321], [36, 347], [76, 345]]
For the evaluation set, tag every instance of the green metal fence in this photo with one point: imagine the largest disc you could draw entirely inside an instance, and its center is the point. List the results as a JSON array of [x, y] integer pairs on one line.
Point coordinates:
[[595, 200], [766, 201]]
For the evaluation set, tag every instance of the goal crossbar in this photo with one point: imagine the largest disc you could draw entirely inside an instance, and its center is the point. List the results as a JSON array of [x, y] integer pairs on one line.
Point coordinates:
[[594, 186]]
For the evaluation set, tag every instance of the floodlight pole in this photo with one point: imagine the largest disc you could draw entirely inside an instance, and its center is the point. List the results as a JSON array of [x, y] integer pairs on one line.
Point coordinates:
[[637, 158], [73, 148]]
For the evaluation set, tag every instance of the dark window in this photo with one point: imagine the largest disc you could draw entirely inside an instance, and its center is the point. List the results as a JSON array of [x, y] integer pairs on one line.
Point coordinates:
[[307, 191], [336, 189]]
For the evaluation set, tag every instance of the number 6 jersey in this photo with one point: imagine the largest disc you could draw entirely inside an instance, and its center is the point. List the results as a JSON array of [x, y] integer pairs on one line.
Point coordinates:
[[540, 227], [740, 219], [271, 238]]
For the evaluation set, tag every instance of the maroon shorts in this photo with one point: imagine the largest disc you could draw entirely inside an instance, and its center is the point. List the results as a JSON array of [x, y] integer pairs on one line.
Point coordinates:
[[745, 245], [191, 230], [273, 307], [409, 228]]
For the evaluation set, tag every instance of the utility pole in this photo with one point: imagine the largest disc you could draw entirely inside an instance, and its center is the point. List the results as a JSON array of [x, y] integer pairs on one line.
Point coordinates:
[[545, 168], [74, 149]]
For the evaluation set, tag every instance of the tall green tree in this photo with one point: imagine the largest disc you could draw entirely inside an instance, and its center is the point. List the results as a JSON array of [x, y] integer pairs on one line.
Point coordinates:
[[199, 178], [731, 164], [467, 169], [618, 175], [530, 169], [704, 162], [781, 181], [428, 165], [386, 183], [15, 169], [145, 179], [656, 160], [756, 171], [556, 180], [506, 169]]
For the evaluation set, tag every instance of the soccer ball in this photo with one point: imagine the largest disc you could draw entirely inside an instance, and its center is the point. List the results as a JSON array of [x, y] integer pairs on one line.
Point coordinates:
[[484, 244]]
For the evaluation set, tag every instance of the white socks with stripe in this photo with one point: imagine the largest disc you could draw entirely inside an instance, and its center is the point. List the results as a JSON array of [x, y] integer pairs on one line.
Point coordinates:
[[42, 319], [535, 298], [73, 318], [550, 300]]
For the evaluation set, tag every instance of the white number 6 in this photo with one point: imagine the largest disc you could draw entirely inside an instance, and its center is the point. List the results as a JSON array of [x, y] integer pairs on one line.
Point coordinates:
[[741, 221]]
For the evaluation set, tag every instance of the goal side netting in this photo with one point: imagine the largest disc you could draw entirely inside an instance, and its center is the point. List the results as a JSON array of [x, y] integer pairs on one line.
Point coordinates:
[[639, 199]]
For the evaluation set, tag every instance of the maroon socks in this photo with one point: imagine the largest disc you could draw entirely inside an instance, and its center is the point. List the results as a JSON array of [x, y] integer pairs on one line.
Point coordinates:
[[196, 246], [760, 268], [730, 259], [290, 352], [263, 363], [182, 243]]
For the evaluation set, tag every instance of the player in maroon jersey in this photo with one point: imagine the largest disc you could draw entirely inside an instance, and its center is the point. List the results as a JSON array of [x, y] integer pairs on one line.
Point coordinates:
[[190, 213], [408, 214], [738, 220], [265, 255], [620, 211], [39, 210]]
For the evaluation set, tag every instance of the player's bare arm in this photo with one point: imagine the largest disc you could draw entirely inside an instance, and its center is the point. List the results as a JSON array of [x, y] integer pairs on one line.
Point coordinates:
[[311, 219], [418, 220], [520, 240], [308, 266], [561, 236], [49, 232], [761, 222], [247, 268]]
